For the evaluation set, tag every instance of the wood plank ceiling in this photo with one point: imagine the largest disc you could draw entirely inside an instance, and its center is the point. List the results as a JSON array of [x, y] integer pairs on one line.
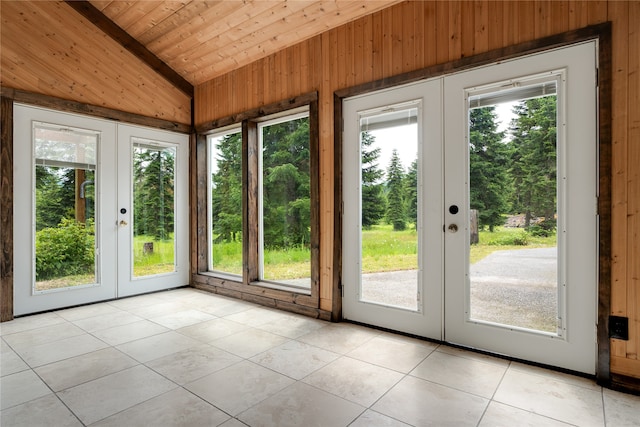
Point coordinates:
[[202, 40]]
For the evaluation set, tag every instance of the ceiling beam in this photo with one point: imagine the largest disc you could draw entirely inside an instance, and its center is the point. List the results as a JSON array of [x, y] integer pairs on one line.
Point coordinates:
[[110, 28]]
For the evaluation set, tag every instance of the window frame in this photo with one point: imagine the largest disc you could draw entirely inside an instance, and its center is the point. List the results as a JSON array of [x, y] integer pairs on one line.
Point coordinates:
[[249, 287]]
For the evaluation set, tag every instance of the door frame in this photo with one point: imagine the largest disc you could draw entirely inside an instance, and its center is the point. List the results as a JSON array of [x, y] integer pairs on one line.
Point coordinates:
[[9, 96], [600, 32]]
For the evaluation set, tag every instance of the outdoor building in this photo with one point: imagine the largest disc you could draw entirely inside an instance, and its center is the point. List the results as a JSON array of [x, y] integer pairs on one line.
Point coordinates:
[[310, 212]]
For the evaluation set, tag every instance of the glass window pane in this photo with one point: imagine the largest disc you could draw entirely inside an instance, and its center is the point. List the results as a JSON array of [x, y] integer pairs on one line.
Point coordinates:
[[65, 207], [389, 208], [285, 204], [513, 200], [225, 222], [153, 208]]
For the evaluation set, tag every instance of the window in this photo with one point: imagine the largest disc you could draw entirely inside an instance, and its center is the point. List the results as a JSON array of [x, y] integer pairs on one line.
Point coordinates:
[[285, 201], [225, 198], [65, 213], [262, 219]]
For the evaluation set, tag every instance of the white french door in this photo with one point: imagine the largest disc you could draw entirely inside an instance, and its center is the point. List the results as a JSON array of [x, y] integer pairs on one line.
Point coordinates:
[[153, 215], [401, 125], [509, 150], [77, 238]]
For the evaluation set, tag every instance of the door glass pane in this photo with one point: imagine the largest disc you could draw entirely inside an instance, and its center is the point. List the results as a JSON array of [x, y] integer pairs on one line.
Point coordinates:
[[225, 168], [285, 203], [65, 207], [389, 207], [513, 208], [153, 208]]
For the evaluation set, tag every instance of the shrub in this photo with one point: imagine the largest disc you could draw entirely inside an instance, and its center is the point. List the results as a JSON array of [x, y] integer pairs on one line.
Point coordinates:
[[509, 239], [545, 228], [65, 250]]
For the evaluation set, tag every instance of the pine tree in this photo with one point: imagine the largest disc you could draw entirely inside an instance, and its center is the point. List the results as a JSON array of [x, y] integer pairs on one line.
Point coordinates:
[[411, 193], [154, 192], [373, 201], [286, 184], [395, 193], [533, 158], [488, 164], [226, 197]]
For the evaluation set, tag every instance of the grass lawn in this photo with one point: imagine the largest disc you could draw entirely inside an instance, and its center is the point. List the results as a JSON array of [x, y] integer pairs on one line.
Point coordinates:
[[382, 250]]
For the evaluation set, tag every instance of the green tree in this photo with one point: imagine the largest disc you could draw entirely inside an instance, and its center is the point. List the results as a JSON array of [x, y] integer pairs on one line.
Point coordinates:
[[533, 158], [286, 184], [226, 197], [373, 200], [488, 168], [154, 192], [396, 214], [411, 193]]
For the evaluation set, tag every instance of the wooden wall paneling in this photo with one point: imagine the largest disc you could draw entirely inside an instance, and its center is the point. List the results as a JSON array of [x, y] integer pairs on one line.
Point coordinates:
[[494, 24], [406, 36], [526, 21], [419, 35], [377, 45], [481, 22], [542, 18], [397, 42], [359, 53], [76, 61], [467, 28], [387, 44], [597, 11], [619, 14], [455, 30], [350, 53], [509, 23], [6, 209], [442, 32], [559, 17], [633, 179], [281, 74], [91, 110], [430, 33], [578, 14], [326, 172], [97, 18], [301, 62]]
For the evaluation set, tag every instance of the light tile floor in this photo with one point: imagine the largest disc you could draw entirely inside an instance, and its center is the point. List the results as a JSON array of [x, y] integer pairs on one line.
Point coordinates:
[[190, 358]]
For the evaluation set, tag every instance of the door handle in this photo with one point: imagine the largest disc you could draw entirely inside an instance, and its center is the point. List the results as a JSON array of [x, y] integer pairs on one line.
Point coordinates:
[[453, 228], [122, 223]]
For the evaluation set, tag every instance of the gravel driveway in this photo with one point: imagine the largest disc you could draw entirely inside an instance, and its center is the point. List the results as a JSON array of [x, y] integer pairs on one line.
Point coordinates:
[[514, 287]]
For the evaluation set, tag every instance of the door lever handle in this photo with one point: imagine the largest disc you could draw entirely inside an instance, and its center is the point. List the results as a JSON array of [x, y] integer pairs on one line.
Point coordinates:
[[122, 223]]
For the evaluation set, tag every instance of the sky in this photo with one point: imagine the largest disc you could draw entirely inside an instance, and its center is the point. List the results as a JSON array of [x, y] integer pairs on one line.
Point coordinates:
[[404, 138]]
